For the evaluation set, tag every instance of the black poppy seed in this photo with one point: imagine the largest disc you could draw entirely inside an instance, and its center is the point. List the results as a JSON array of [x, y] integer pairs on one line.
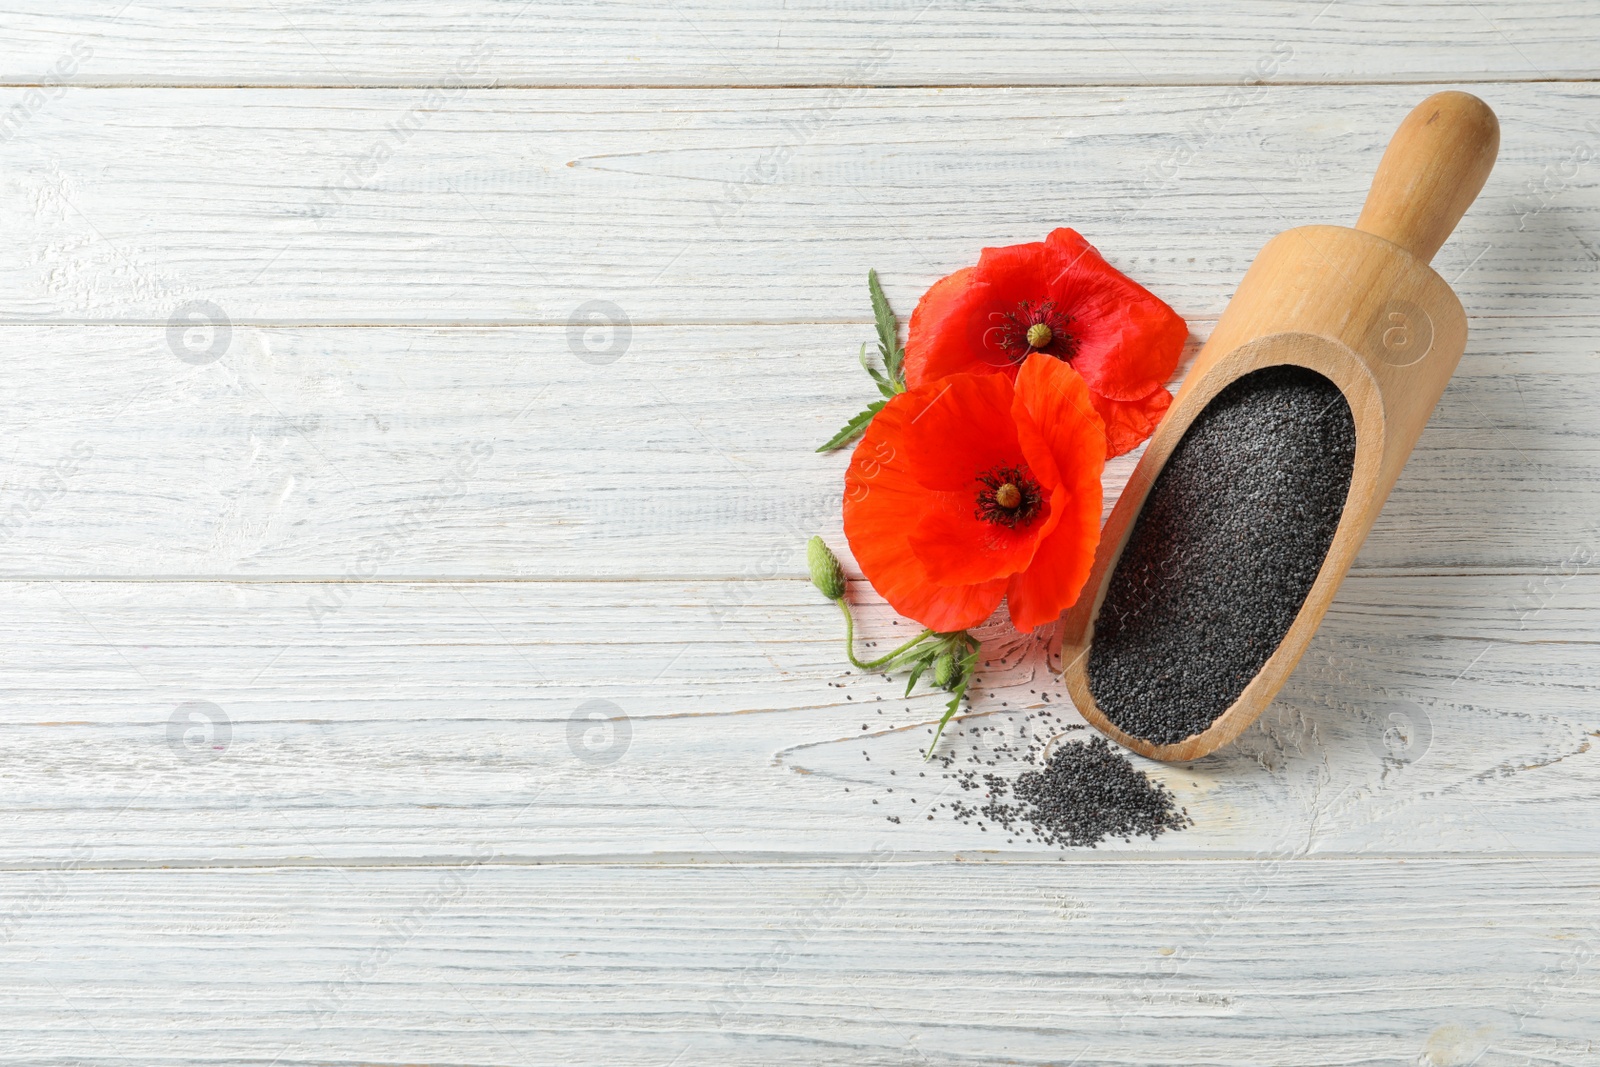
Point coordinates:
[[1087, 792], [1228, 544]]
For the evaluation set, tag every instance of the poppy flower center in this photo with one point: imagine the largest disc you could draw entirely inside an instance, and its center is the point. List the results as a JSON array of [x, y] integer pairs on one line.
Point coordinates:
[[1035, 327], [1008, 496]]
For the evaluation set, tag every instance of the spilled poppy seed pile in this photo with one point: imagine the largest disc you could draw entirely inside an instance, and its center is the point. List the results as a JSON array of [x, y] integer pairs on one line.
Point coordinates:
[[1083, 793], [1228, 544]]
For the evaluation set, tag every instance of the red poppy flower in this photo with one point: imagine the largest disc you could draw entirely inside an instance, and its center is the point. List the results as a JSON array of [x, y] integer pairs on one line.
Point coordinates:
[[1059, 297], [977, 488]]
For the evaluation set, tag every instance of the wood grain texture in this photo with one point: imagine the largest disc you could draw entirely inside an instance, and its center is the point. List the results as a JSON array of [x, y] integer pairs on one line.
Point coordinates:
[[875, 961], [427, 452], [487, 532], [1432, 171], [723, 42], [514, 206], [393, 722]]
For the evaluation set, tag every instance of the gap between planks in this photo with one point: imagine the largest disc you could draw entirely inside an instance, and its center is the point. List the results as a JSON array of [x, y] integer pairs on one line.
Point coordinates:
[[376, 86], [815, 860]]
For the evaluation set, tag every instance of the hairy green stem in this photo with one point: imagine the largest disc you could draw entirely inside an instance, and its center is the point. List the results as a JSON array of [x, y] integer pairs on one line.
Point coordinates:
[[850, 642]]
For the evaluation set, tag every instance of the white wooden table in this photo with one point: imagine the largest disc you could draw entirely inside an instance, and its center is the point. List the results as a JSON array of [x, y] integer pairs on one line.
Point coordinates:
[[304, 610]]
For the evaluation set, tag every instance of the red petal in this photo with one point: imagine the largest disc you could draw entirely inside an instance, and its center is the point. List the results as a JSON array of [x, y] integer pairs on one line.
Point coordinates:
[[1055, 415], [882, 503], [958, 548], [1056, 422], [1129, 341], [1004, 279], [1061, 565], [956, 335], [1129, 422], [962, 427], [935, 307]]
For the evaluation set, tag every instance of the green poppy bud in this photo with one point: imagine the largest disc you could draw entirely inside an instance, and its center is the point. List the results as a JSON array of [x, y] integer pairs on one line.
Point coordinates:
[[826, 574], [944, 670]]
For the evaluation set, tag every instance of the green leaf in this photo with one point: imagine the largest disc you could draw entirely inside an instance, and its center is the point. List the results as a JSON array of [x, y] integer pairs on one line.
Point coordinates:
[[895, 365], [916, 672], [854, 428], [888, 334], [885, 386], [949, 713], [883, 315], [965, 670]]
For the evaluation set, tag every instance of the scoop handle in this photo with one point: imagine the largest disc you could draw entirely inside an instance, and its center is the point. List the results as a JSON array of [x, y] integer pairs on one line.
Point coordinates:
[[1431, 172]]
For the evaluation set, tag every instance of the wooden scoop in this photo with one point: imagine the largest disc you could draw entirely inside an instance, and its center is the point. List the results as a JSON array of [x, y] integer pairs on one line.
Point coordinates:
[[1361, 307]]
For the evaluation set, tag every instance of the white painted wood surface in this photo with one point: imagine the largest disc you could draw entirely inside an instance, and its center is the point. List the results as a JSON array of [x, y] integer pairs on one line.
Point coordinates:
[[791, 42], [297, 641], [877, 960], [361, 207]]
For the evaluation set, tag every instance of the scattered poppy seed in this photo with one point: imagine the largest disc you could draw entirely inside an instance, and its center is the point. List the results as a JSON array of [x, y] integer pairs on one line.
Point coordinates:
[[1228, 544]]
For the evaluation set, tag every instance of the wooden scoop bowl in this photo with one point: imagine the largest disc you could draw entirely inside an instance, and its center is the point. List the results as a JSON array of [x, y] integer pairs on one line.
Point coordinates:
[[1359, 306]]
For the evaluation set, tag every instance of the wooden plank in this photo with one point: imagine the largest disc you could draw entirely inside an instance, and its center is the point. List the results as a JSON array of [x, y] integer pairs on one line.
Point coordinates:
[[514, 206], [428, 452], [872, 961], [722, 42], [396, 722]]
